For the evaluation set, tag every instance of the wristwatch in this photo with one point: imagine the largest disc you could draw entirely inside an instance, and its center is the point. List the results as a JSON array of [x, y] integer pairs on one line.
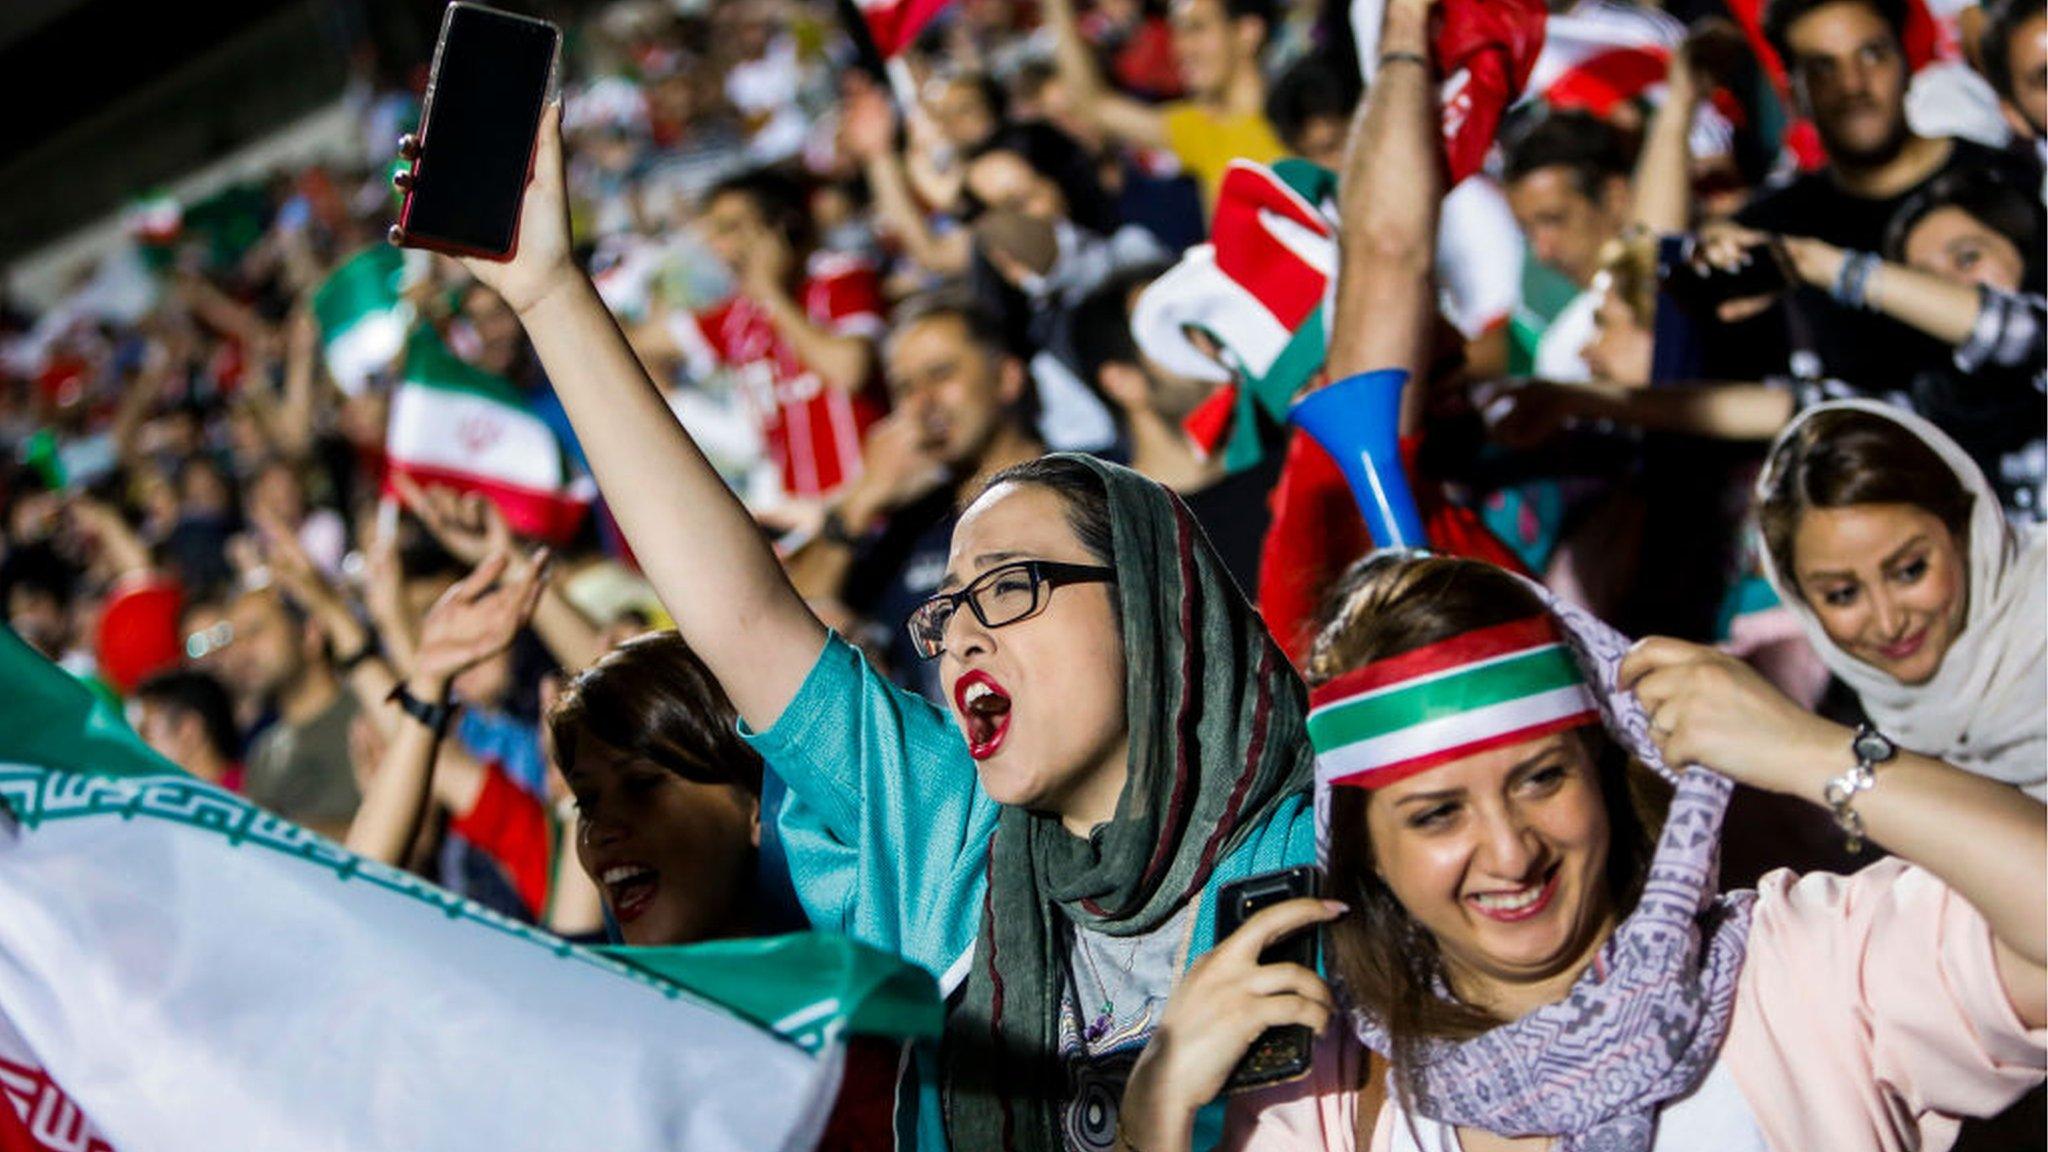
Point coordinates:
[[434, 716], [1870, 748]]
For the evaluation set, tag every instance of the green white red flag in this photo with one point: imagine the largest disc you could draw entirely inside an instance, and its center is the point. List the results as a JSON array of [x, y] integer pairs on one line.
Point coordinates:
[[456, 425], [180, 970]]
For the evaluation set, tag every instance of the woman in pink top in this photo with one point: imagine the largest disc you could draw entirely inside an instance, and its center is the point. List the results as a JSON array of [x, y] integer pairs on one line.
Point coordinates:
[[1536, 969]]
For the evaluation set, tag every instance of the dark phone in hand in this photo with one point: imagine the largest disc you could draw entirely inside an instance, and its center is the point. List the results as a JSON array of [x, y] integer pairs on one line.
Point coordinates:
[[1282, 1053], [476, 141], [1702, 288]]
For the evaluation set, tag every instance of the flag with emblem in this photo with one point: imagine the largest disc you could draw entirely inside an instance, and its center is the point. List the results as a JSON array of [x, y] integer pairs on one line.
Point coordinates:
[[180, 970], [456, 425], [363, 316]]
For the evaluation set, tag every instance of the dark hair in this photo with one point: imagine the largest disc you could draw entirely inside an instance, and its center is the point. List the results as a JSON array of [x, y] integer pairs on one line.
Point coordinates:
[[192, 692], [1099, 330], [1589, 148], [1781, 15], [1388, 604], [651, 697], [1994, 48], [1081, 488], [41, 569], [783, 200], [1059, 158], [1984, 194], [1311, 88], [1845, 457]]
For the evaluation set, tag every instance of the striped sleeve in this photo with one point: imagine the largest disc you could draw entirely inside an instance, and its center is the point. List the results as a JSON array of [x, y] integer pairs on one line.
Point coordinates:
[[2008, 332]]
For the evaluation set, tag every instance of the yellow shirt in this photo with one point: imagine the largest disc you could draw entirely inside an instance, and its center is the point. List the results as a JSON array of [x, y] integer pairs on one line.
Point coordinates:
[[1206, 143]]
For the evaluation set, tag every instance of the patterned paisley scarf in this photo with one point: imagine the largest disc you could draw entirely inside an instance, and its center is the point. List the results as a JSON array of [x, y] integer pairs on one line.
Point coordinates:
[[1216, 743], [1644, 1023]]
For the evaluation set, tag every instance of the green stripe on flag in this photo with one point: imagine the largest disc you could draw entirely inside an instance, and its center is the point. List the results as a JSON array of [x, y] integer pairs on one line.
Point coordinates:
[[368, 283], [430, 364], [1543, 670]]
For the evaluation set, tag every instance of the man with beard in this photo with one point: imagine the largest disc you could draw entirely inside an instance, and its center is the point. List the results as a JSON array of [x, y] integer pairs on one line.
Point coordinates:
[[962, 410], [1849, 75]]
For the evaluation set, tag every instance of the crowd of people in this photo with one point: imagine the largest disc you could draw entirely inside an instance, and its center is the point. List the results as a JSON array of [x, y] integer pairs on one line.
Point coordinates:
[[961, 575]]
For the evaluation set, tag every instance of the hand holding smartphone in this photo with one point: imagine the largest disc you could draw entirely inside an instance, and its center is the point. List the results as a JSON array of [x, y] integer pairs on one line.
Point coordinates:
[[492, 78], [1281, 1053]]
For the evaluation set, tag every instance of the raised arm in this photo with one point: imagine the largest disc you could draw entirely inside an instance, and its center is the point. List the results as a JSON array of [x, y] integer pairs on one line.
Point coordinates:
[[1661, 192], [867, 130], [1388, 200], [1984, 839], [1115, 115], [707, 560]]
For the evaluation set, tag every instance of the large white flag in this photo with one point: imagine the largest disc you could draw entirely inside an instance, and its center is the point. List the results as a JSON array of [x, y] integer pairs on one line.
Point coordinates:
[[181, 971]]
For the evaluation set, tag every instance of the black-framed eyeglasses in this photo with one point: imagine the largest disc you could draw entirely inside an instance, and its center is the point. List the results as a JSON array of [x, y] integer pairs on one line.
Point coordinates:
[[999, 596]]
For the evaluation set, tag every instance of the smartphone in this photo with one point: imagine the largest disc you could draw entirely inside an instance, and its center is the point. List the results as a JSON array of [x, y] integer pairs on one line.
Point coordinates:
[[1283, 1053], [1700, 287], [492, 77]]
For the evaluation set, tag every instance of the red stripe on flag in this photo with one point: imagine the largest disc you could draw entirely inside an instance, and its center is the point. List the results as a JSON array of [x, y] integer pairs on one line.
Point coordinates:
[[894, 25], [1464, 648], [1599, 82], [550, 517]]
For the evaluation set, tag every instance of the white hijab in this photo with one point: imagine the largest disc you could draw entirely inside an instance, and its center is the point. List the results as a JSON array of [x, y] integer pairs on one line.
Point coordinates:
[[1986, 708]]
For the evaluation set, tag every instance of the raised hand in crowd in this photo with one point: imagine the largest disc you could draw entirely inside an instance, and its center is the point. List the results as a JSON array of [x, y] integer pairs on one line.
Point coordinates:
[[474, 620], [471, 528]]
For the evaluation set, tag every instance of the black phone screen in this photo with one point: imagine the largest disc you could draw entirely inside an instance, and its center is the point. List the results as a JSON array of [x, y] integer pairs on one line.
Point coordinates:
[[490, 84]]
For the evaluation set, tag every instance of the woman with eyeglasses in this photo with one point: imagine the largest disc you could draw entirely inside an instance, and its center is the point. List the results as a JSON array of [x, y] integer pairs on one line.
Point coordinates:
[[1121, 737]]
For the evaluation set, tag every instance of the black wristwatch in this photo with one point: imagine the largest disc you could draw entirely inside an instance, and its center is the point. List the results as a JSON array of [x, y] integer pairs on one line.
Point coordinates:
[[434, 716]]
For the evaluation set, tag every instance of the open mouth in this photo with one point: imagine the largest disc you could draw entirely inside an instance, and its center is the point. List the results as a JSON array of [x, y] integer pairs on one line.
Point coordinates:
[[984, 712], [629, 889], [1516, 904]]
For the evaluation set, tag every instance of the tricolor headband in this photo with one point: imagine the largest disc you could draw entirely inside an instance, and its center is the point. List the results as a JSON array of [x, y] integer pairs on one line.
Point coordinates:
[[1376, 725]]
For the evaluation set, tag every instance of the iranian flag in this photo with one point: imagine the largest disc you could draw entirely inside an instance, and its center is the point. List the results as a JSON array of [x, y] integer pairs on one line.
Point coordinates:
[[363, 316], [456, 425], [179, 970]]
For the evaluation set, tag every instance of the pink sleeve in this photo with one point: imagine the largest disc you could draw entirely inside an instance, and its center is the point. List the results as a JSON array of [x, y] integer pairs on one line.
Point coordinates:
[[1872, 1004], [1315, 1113]]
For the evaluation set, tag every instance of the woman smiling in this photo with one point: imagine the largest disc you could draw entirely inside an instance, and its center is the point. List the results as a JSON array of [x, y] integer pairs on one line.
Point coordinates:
[[1539, 980], [1891, 549]]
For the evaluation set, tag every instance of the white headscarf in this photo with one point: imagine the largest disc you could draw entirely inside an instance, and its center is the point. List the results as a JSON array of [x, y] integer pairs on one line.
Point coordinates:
[[1986, 708]]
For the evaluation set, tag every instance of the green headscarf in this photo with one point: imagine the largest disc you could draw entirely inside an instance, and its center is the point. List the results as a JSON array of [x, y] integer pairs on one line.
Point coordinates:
[[1216, 741]]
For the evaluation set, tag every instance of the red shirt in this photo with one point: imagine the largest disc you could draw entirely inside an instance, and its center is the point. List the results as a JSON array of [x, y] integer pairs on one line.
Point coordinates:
[[510, 826], [813, 430]]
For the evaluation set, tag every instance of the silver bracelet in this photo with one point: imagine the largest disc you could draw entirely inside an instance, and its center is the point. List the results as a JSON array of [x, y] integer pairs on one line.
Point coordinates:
[[1871, 748]]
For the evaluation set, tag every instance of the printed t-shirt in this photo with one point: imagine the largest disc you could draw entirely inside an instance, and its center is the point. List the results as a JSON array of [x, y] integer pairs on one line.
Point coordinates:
[[813, 430], [1206, 143], [1869, 1015]]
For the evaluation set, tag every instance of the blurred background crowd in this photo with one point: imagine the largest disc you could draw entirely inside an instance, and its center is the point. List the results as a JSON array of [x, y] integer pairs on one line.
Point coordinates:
[[868, 286]]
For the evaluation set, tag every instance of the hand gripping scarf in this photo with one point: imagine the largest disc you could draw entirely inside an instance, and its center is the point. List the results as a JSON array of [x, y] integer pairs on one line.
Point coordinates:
[[1643, 1024], [1216, 742]]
